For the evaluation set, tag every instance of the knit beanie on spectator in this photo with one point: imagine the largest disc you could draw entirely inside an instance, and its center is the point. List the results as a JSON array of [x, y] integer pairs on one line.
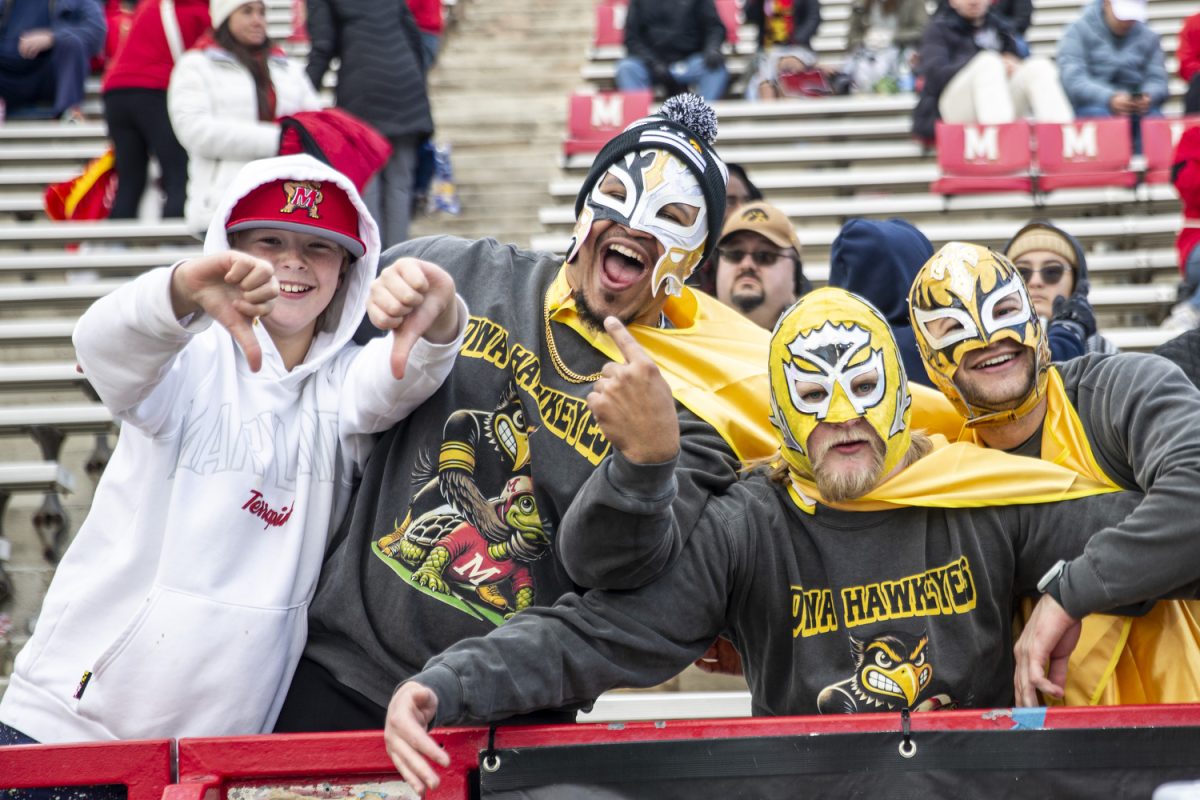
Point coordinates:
[[686, 127], [1042, 238], [220, 10]]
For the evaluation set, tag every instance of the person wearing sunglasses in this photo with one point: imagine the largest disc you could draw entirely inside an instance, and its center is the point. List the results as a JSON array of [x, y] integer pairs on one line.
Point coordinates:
[[1054, 267], [759, 271]]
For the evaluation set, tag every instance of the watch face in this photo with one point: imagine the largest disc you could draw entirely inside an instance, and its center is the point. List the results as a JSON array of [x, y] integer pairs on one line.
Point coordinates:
[[1051, 576]]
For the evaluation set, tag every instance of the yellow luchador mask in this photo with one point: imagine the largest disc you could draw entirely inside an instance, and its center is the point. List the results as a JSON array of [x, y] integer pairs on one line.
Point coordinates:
[[831, 338], [965, 283]]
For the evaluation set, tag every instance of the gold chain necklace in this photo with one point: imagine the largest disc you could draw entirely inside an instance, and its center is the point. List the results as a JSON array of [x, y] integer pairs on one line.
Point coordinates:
[[566, 372]]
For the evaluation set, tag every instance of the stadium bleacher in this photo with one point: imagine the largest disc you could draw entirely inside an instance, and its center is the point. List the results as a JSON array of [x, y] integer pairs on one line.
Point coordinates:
[[821, 160]]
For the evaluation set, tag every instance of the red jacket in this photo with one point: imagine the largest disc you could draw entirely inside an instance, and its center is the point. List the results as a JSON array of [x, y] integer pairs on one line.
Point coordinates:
[[428, 14], [1188, 51], [1187, 182], [144, 60]]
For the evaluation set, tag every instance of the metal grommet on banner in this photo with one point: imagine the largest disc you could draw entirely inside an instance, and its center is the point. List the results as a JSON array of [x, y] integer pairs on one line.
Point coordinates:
[[908, 748], [491, 759]]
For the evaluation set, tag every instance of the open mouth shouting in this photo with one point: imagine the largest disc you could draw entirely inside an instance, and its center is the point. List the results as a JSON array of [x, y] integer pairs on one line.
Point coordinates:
[[622, 264]]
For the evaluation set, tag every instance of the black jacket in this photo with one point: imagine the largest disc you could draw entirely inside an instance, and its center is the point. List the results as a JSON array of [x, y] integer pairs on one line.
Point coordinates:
[[946, 47], [1184, 350], [666, 31], [382, 78]]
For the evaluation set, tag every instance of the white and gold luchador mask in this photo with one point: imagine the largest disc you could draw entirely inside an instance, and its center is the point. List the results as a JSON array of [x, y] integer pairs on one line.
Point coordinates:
[[653, 179]]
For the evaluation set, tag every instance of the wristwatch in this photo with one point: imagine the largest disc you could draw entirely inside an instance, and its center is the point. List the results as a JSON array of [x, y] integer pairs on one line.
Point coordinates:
[[1051, 582]]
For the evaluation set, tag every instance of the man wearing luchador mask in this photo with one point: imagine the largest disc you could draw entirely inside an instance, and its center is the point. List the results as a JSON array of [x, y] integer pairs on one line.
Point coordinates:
[[425, 556], [867, 567], [1128, 420]]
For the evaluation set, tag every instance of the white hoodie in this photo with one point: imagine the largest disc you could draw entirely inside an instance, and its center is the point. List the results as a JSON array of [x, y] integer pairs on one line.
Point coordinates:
[[185, 591]]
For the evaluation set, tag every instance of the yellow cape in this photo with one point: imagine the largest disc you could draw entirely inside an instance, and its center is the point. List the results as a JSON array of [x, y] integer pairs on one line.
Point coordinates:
[[714, 360], [1119, 660]]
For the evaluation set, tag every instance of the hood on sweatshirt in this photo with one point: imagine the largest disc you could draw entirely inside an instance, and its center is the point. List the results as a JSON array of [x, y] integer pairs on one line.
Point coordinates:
[[345, 310], [877, 260]]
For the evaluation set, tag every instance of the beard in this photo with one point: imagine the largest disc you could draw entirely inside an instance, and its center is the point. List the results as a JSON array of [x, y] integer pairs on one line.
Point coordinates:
[[746, 300], [838, 485], [991, 395], [588, 315]]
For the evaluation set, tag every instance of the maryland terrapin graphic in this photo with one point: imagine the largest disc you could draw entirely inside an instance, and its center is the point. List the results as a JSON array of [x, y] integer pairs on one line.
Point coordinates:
[[473, 528], [892, 670]]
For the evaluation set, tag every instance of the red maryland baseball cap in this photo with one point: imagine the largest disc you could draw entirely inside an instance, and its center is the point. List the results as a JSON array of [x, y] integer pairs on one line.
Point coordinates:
[[318, 208]]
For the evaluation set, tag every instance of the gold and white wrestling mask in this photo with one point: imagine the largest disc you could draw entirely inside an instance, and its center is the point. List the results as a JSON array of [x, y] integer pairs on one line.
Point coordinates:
[[839, 342], [652, 180], [966, 298]]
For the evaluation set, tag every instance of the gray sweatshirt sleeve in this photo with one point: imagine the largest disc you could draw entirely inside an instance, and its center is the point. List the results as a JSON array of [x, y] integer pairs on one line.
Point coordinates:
[[1142, 417], [569, 653], [628, 523]]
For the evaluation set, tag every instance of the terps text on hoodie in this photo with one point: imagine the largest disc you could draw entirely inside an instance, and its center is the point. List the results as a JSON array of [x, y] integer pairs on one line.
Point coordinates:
[[261, 509]]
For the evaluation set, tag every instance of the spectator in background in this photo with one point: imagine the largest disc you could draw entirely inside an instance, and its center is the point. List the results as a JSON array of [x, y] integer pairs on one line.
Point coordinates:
[[1019, 13], [877, 260], [428, 16], [134, 91], [224, 97], [1186, 178], [1053, 265], [1187, 53], [786, 64], [46, 47], [759, 272], [1112, 64], [973, 71], [673, 46], [784, 22], [382, 80], [882, 44], [740, 190]]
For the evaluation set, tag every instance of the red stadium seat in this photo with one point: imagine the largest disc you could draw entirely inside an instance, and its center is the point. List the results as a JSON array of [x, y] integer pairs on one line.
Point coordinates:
[[730, 15], [610, 24], [1086, 152], [983, 158], [595, 117], [1159, 137]]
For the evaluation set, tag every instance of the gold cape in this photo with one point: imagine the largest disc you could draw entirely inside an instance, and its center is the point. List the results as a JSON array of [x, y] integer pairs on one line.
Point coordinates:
[[714, 360], [1119, 660]]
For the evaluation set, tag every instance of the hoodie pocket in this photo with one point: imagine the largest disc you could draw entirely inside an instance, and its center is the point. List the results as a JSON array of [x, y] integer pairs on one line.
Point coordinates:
[[187, 665]]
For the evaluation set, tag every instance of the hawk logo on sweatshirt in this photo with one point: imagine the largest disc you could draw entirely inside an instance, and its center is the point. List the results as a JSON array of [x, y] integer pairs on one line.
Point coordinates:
[[892, 670], [303, 195]]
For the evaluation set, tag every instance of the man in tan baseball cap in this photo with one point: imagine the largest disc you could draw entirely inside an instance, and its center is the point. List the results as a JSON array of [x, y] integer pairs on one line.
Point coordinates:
[[758, 268]]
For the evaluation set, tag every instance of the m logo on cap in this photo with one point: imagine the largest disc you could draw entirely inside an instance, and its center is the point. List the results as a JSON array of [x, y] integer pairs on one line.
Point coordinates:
[[755, 215], [304, 195]]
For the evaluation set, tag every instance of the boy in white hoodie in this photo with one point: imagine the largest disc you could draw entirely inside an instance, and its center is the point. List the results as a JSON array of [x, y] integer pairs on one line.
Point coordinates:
[[180, 608]]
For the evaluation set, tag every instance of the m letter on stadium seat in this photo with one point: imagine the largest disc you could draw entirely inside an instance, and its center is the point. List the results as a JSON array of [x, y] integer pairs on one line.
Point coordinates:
[[983, 158], [610, 25], [1159, 137], [1086, 152], [595, 117]]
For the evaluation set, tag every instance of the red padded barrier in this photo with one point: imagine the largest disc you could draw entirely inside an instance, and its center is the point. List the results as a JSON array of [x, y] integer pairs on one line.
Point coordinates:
[[143, 766]]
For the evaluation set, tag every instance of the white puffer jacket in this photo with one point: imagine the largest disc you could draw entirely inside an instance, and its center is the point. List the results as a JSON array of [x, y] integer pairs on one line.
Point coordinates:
[[214, 111]]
